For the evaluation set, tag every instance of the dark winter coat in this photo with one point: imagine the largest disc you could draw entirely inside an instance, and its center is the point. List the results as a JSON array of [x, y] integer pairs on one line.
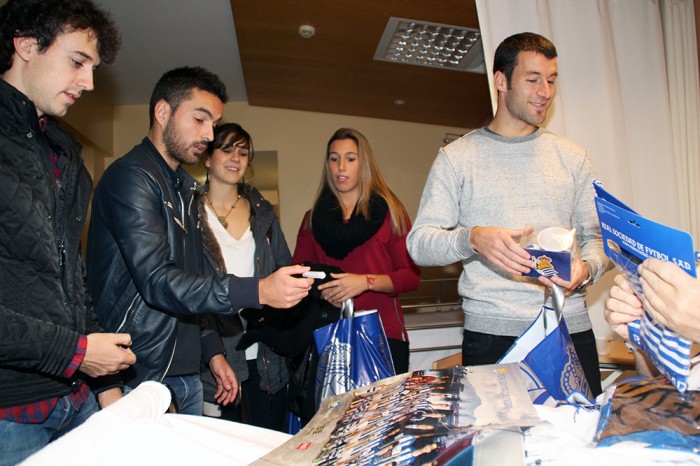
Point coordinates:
[[271, 253], [44, 306]]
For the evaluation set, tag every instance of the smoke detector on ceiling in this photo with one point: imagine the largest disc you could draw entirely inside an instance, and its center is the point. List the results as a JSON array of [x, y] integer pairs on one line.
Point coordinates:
[[431, 44], [307, 31]]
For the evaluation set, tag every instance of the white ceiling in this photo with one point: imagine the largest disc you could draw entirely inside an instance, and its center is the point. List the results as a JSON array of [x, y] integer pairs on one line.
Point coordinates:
[[158, 35]]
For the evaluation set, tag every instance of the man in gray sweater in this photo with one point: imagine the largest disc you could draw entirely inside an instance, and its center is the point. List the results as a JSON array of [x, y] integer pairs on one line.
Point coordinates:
[[487, 187]]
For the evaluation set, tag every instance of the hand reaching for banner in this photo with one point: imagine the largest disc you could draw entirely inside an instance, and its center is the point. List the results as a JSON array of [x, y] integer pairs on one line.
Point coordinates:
[[622, 307], [672, 296]]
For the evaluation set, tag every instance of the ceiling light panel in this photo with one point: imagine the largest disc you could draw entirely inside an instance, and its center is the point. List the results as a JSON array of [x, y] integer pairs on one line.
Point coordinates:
[[435, 45]]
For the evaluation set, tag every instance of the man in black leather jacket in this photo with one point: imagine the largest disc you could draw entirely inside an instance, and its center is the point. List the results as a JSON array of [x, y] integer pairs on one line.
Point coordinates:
[[49, 338], [145, 259]]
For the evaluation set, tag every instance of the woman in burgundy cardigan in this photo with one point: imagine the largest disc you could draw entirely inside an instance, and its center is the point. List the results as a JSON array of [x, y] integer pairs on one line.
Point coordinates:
[[359, 225]]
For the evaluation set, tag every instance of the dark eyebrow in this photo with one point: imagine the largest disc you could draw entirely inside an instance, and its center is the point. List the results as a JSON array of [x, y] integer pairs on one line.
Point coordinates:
[[539, 73], [87, 57], [84, 55], [202, 109]]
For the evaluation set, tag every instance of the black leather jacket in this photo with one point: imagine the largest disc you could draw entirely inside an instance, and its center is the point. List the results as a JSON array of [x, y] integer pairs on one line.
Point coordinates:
[[43, 304], [145, 260]]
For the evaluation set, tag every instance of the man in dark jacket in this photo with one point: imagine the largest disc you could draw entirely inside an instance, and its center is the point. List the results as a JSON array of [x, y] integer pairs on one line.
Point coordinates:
[[48, 332], [145, 260]]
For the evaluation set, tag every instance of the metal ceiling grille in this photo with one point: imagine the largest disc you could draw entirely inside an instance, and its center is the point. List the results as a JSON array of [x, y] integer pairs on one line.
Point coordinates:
[[435, 45]]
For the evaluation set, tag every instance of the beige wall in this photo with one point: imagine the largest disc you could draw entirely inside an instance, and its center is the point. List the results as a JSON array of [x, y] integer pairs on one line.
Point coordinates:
[[405, 151], [696, 4], [92, 120]]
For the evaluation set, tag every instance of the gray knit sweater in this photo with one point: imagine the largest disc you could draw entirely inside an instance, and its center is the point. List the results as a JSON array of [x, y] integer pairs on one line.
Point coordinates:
[[484, 179]]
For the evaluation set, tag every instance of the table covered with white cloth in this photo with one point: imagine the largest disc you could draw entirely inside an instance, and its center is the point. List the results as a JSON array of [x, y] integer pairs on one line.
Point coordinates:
[[137, 430]]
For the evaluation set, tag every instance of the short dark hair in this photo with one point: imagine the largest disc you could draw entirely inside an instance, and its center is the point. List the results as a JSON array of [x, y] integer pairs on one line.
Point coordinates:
[[176, 85], [506, 57], [44, 20]]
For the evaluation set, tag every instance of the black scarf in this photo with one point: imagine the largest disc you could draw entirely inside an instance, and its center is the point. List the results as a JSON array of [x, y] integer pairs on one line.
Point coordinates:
[[337, 237]]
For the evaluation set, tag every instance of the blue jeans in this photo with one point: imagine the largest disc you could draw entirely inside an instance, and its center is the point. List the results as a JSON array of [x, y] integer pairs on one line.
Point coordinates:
[[19, 441], [188, 393]]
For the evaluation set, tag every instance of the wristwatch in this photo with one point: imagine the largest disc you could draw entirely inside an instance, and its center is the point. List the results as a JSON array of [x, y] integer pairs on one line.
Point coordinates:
[[588, 279]]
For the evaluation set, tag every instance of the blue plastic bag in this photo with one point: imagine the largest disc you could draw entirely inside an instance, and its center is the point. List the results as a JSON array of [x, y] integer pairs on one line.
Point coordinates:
[[548, 359], [353, 352]]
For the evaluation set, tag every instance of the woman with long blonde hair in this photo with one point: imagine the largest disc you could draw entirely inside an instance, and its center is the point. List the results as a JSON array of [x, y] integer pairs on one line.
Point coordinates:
[[358, 224]]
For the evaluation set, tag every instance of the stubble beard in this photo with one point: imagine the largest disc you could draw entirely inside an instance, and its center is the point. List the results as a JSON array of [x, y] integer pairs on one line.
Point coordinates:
[[519, 108], [175, 147]]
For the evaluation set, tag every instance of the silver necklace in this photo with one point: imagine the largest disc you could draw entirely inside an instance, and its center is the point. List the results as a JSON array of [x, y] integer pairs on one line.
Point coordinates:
[[222, 220]]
